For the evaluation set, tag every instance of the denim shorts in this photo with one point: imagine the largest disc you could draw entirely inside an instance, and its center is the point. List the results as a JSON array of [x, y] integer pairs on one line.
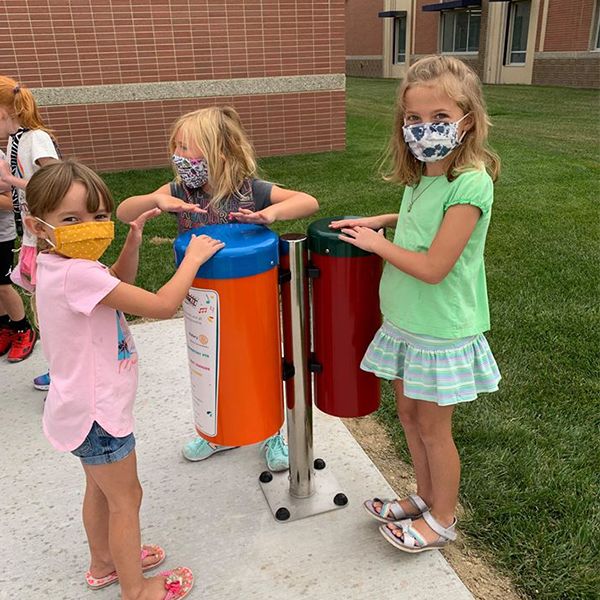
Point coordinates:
[[101, 448]]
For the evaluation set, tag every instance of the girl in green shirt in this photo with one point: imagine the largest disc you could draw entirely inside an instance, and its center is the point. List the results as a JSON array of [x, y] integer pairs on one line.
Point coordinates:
[[433, 289]]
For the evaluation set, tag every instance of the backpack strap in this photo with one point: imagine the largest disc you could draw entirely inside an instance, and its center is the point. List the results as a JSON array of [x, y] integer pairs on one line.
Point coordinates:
[[16, 172]]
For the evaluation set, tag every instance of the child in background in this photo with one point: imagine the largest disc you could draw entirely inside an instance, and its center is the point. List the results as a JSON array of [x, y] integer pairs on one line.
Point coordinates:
[[433, 288], [14, 324], [215, 182], [30, 146], [89, 412]]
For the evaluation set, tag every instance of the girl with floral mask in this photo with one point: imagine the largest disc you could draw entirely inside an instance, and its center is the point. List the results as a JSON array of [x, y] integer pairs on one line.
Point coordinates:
[[433, 288], [216, 182], [89, 411]]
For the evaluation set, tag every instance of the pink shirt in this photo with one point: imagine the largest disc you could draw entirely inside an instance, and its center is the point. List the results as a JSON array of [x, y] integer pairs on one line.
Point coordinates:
[[89, 349]]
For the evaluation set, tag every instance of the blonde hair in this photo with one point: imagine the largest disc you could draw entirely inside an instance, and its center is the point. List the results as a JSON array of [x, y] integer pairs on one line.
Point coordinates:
[[20, 103], [219, 133], [48, 186], [462, 85]]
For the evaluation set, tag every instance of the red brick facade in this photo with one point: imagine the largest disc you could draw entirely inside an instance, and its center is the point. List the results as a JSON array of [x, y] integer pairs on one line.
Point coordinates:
[[364, 38], [63, 43], [427, 27], [573, 72], [364, 30], [565, 57], [117, 135], [564, 45], [568, 26]]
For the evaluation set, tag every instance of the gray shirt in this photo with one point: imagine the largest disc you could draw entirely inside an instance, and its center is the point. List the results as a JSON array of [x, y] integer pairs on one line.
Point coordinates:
[[254, 194]]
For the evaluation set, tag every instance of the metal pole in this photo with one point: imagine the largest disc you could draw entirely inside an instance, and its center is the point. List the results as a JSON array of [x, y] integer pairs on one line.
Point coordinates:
[[310, 488], [298, 393]]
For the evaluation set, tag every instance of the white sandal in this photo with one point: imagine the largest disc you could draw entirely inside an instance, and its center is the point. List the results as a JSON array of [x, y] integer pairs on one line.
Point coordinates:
[[413, 542], [392, 511]]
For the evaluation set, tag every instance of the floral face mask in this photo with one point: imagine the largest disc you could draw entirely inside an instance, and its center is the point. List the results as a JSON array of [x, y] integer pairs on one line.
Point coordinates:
[[430, 142], [192, 171]]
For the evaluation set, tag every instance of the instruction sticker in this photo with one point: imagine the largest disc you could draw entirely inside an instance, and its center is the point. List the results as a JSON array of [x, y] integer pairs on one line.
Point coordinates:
[[201, 312]]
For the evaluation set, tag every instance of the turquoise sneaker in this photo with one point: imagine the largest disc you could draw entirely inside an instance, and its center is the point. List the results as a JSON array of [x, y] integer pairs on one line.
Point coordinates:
[[200, 449], [276, 453]]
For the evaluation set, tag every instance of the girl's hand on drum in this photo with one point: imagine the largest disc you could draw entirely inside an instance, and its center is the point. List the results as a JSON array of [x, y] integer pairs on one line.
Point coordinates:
[[363, 237], [375, 222], [202, 247]]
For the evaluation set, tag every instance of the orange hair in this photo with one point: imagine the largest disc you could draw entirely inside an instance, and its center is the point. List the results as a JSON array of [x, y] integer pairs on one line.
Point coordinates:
[[20, 104]]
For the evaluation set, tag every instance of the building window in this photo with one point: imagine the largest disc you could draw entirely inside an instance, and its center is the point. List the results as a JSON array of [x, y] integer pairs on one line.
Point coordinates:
[[597, 36], [460, 30], [399, 46], [518, 30]]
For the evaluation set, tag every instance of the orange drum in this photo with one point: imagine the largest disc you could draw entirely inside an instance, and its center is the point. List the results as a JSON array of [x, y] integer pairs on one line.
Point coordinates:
[[232, 328]]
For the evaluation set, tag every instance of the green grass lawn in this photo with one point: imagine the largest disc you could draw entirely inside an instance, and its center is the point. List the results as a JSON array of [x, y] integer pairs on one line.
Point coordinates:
[[529, 452]]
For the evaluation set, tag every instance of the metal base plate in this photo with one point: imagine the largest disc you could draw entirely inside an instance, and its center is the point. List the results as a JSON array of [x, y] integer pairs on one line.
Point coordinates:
[[285, 507]]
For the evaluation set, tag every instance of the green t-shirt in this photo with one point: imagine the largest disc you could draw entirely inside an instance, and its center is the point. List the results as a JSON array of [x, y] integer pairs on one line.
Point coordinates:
[[457, 306]]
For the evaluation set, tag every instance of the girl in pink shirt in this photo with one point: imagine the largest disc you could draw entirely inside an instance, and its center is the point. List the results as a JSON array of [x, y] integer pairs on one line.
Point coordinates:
[[93, 361]]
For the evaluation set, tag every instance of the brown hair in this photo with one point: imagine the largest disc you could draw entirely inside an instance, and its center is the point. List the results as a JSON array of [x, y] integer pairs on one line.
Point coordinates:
[[463, 86], [20, 103], [219, 133], [48, 186]]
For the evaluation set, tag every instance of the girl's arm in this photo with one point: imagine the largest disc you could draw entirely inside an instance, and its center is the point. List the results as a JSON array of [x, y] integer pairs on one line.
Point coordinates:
[[126, 266], [431, 266], [131, 208], [162, 305], [5, 201], [10, 180], [285, 205], [375, 222], [7, 177], [46, 160]]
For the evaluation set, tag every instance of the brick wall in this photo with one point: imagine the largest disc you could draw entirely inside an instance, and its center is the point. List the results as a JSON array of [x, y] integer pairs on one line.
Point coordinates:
[[567, 58], [583, 72], [364, 29], [287, 47], [568, 26], [427, 27], [478, 64], [364, 67], [124, 135]]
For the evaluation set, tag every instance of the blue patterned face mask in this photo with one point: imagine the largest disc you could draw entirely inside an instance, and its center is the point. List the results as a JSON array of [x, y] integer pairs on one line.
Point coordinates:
[[192, 171], [430, 142]]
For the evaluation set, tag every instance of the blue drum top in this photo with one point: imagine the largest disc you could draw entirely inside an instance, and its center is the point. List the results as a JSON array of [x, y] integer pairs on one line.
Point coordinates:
[[249, 250]]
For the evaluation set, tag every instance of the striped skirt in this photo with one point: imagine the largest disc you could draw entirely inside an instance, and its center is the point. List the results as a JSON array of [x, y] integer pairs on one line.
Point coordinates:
[[433, 369]]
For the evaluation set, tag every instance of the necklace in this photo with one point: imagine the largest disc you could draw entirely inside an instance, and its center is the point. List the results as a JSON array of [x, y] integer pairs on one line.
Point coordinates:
[[414, 198]]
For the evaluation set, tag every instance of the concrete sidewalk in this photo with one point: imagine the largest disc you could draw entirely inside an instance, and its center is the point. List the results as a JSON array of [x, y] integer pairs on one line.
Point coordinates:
[[211, 516]]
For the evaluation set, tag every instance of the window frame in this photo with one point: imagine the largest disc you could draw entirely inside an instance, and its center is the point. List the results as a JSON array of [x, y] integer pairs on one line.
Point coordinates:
[[395, 29], [508, 62], [470, 12], [596, 29]]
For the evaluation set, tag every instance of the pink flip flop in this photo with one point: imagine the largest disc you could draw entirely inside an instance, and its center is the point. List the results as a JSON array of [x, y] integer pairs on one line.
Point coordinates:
[[178, 583], [97, 583]]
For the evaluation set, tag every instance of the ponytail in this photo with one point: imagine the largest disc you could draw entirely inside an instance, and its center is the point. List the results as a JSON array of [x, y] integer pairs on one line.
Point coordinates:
[[21, 105]]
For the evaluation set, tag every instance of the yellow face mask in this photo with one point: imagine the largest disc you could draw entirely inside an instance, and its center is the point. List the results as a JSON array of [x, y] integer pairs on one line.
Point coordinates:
[[83, 240]]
